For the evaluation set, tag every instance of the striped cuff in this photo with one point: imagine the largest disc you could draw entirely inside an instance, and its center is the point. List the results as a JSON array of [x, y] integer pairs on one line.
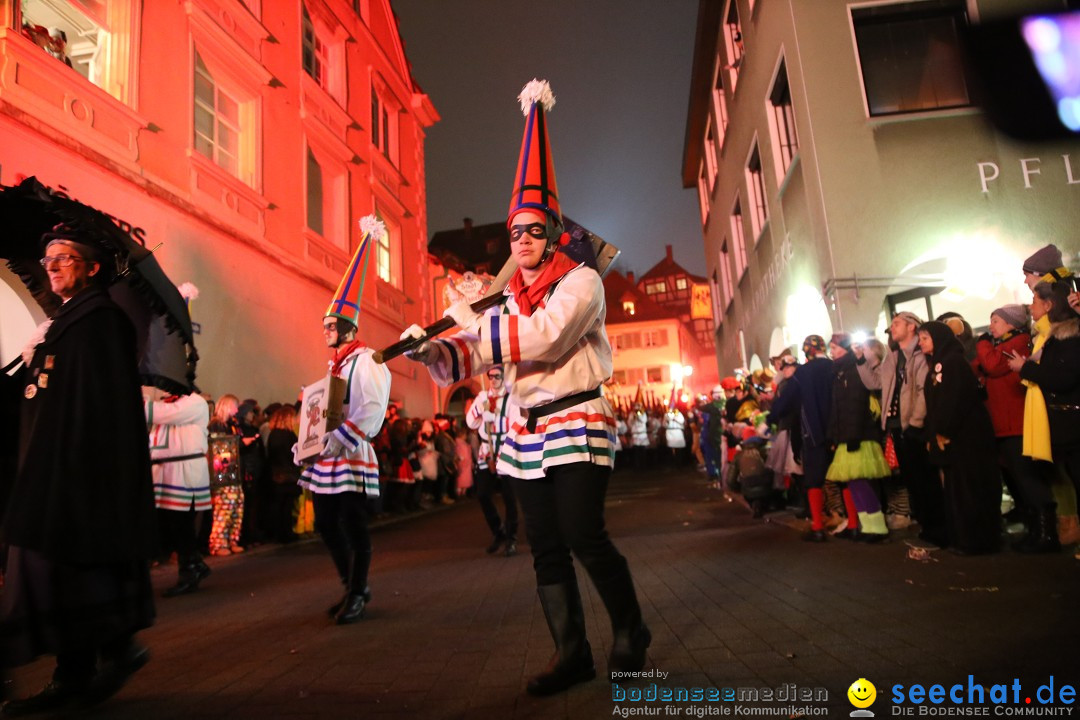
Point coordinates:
[[350, 435], [460, 362], [503, 336]]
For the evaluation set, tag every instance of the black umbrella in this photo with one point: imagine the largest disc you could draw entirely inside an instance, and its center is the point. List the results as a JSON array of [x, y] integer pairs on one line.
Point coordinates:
[[166, 345]]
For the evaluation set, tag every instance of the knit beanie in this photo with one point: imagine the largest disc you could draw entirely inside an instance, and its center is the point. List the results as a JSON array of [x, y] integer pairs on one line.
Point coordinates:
[[813, 345], [1043, 260], [1015, 315], [841, 339]]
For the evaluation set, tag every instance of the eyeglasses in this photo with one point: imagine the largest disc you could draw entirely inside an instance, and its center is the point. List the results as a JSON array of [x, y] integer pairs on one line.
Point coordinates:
[[60, 260], [536, 230], [494, 377], [330, 326]]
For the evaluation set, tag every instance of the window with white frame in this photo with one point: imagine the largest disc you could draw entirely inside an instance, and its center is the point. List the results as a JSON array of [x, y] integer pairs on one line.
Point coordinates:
[[627, 341], [388, 252], [710, 153], [384, 125], [738, 238], [219, 123], [719, 99], [726, 284], [680, 283], [314, 55], [785, 140], [910, 55], [325, 184], [628, 307], [733, 43], [717, 309], [755, 183], [654, 338], [703, 194], [93, 37]]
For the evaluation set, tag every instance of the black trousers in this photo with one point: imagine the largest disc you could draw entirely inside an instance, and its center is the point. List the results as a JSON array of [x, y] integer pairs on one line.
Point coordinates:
[[564, 513], [487, 484], [177, 532], [341, 520], [924, 485]]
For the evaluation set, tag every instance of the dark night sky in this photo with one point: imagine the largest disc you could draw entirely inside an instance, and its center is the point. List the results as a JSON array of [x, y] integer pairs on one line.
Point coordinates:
[[620, 71]]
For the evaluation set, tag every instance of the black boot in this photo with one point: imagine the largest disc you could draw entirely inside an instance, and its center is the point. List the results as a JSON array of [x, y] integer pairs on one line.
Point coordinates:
[[573, 661], [117, 666], [359, 594], [511, 546], [191, 572], [630, 635], [496, 543], [1042, 534]]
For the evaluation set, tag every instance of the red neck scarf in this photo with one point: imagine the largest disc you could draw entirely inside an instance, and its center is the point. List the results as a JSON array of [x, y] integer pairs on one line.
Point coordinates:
[[531, 297], [341, 352]]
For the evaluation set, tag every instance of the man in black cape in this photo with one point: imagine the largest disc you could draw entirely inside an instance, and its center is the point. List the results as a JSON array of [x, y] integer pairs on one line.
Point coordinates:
[[79, 521]]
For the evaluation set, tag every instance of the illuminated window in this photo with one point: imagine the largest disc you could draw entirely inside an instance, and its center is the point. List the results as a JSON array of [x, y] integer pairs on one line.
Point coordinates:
[[680, 283], [388, 253], [628, 307], [738, 238], [733, 43], [910, 55], [785, 140], [755, 183], [218, 124], [313, 51], [661, 287], [91, 36], [384, 126]]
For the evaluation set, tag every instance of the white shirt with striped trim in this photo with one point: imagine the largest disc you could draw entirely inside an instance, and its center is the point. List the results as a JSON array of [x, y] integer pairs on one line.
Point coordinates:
[[560, 350], [367, 395], [178, 428], [492, 426]]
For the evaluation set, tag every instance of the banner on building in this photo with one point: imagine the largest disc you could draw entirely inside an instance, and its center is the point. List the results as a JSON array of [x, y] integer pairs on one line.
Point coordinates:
[[700, 302]]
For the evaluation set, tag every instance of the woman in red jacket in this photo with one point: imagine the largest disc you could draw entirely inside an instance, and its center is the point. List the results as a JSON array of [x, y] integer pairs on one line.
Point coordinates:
[[1009, 335]]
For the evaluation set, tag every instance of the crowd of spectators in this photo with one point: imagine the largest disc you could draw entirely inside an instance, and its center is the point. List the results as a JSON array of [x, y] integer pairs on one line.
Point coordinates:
[[422, 463], [970, 440]]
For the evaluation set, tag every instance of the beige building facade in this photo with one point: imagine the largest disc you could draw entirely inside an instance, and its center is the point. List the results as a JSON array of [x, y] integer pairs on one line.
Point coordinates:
[[844, 171]]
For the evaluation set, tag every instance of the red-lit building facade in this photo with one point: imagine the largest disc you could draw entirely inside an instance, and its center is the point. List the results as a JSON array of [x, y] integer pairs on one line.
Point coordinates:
[[247, 139]]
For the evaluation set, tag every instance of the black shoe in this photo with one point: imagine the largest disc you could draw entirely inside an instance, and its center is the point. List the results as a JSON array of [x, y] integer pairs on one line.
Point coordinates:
[[630, 636], [352, 610], [816, 536], [54, 696], [334, 609], [511, 547], [496, 544], [561, 676], [114, 674], [848, 534], [872, 538]]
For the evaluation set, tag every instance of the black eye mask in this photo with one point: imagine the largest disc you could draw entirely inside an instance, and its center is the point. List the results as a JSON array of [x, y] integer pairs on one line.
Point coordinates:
[[536, 230]]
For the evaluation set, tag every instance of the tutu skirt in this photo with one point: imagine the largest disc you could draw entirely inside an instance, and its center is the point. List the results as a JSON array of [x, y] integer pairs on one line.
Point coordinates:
[[866, 463]]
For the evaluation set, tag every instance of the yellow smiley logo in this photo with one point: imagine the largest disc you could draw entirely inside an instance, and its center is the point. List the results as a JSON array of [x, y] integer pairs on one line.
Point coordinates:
[[862, 693]]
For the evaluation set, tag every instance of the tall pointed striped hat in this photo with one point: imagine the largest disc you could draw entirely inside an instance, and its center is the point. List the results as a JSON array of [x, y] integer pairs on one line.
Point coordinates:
[[534, 182], [346, 301]]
